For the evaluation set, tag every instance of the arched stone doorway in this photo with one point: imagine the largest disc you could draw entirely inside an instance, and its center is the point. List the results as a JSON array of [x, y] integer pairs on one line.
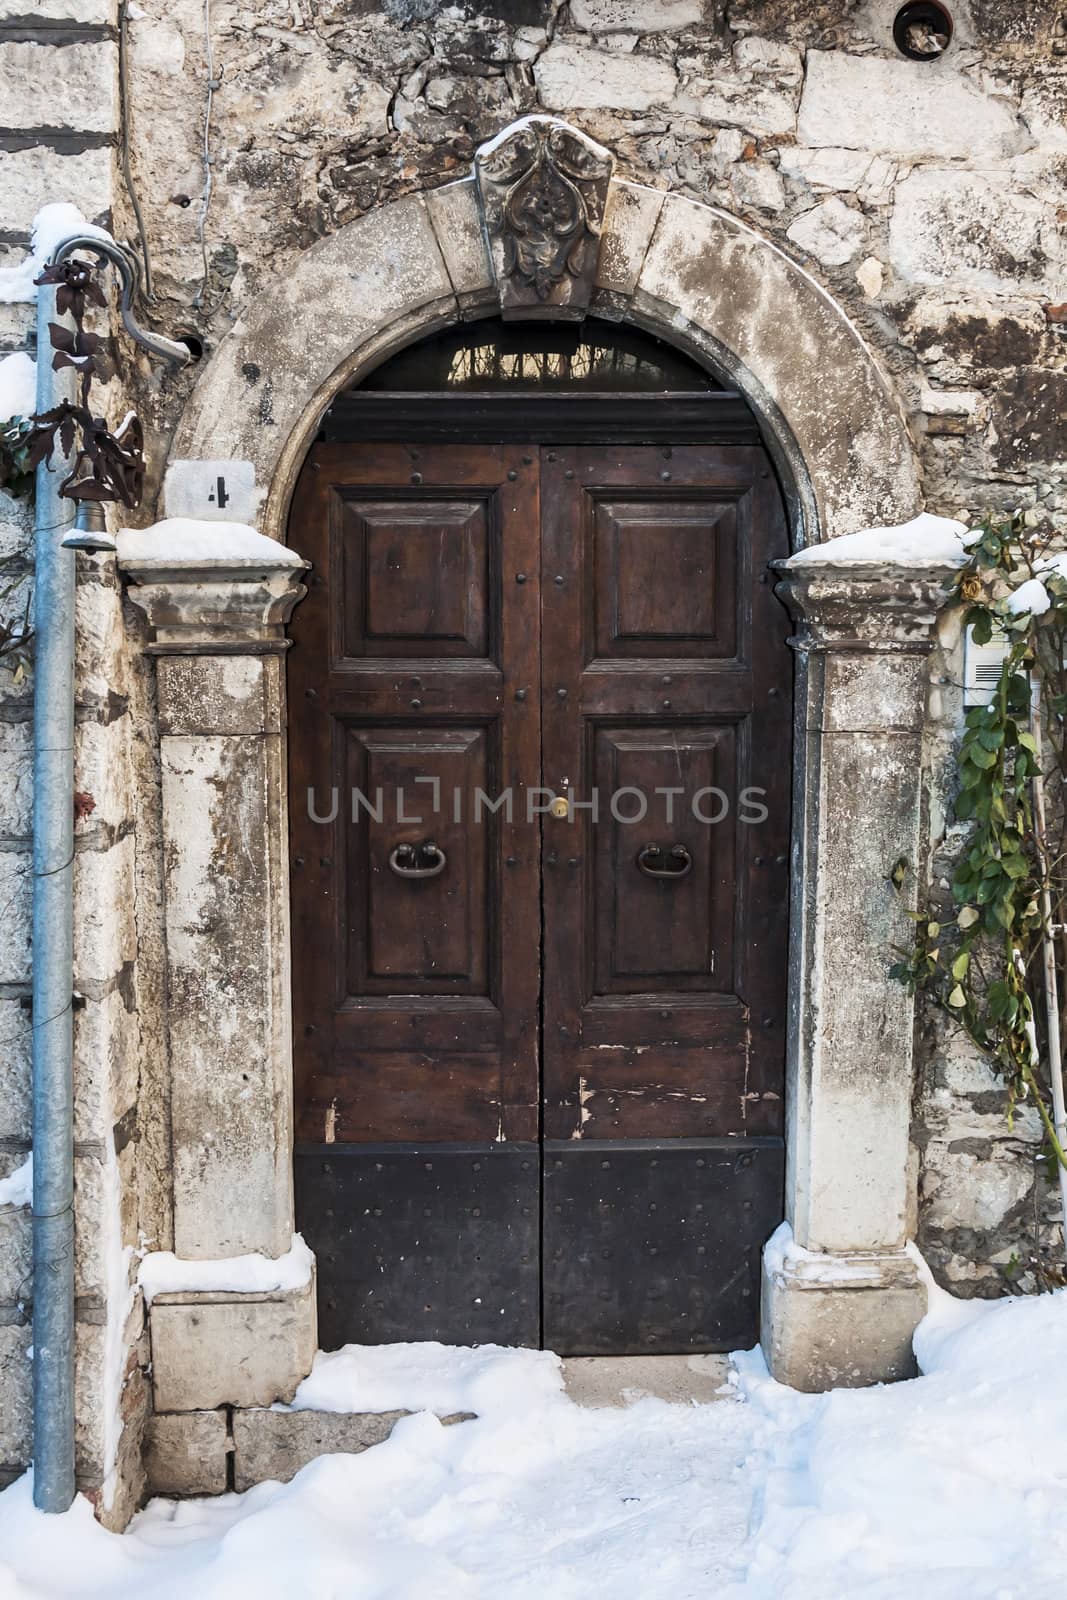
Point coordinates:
[[718, 290], [539, 757]]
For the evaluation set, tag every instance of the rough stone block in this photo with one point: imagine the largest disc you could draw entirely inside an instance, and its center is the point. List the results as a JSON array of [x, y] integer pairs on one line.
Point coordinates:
[[185, 1452], [818, 1333], [900, 107], [570, 75], [212, 1349], [636, 16], [16, 789], [82, 84], [966, 229], [102, 648], [35, 177], [453, 211], [85, 11], [757, 184], [15, 887], [16, 1412], [831, 232], [219, 695], [973, 1188], [16, 1265], [629, 223], [276, 1444], [16, 516], [15, 1030], [103, 768], [739, 103], [826, 168], [106, 1064], [105, 932]]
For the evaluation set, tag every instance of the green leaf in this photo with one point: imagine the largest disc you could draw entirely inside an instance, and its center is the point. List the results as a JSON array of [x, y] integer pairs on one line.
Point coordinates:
[[961, 964], [1016, 866], [981, 624], [980, 757], [933, 929], [957, 998]]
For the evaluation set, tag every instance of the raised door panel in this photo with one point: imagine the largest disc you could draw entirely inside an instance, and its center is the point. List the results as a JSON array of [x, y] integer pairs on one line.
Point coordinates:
[[424, 935], [636, 540], [416, 575], [663, 904]]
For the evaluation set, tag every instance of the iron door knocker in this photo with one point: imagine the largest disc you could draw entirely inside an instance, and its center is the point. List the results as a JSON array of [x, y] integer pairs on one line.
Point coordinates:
[[649, 858], [424, 860]]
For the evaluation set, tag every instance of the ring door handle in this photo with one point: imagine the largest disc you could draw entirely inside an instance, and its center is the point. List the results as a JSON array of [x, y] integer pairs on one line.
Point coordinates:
[[417, 860], [657, 863]]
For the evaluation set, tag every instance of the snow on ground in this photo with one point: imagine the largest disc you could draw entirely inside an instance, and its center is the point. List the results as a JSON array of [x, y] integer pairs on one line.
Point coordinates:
[[950, 1487]]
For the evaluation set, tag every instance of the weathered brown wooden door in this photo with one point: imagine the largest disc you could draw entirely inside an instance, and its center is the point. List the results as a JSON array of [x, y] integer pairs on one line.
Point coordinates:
[[542, 695]]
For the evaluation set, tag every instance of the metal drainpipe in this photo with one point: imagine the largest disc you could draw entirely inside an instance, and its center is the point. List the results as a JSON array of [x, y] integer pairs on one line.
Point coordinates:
[[53, 911]]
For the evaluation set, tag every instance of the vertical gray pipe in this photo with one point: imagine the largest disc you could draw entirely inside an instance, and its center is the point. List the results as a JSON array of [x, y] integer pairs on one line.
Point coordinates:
[[53, 902], [53, 956]]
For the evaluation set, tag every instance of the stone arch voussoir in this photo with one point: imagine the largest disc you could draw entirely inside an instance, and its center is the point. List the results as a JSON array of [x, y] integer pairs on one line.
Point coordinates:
[[685, 271]]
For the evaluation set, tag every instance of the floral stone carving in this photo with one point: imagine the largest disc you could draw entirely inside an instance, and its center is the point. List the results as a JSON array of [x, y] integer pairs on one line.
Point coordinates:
[[543, 187]]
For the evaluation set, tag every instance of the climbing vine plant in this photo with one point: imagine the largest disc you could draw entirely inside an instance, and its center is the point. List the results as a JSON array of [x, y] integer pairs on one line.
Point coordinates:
[[991, 961]]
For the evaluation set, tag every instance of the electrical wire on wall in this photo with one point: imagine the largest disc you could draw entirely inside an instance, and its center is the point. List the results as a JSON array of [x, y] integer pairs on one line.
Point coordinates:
[[205, 196], [124, 147]]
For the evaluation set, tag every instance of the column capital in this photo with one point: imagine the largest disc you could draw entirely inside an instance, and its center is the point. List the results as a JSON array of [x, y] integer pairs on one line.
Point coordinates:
[[868, 606], [216, 606]]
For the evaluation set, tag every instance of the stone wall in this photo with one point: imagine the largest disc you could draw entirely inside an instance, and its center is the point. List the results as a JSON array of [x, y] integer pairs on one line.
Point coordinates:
[[58, 72], [927, 198]]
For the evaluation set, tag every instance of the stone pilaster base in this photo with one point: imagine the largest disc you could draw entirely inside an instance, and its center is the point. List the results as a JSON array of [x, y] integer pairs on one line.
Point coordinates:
[[839, 1320], [211, 1348]]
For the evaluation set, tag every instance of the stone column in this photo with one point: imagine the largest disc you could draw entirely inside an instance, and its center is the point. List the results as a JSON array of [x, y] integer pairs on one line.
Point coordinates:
[[217, 632], [841, 1298]]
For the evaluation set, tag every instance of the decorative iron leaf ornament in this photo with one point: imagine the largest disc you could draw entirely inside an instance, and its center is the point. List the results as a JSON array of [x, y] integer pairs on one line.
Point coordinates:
[[543, 187], [109, 465]]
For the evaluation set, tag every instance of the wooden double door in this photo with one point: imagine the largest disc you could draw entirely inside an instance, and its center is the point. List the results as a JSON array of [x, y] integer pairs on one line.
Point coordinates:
[[539, 745]]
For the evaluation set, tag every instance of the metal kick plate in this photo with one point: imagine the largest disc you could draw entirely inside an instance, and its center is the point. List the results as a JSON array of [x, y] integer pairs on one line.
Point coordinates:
[[654, 1247], [423, 1242]]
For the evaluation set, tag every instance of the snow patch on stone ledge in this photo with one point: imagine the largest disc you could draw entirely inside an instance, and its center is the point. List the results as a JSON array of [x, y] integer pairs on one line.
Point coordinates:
[[18, 386], [162, 1272], [924, 541], [428, 1376], [185, 541], [52, 224], [781, 1253], [17, 1188]]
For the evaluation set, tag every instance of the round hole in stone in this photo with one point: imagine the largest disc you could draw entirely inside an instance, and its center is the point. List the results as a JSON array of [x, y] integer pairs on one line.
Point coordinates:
[[922, 31]]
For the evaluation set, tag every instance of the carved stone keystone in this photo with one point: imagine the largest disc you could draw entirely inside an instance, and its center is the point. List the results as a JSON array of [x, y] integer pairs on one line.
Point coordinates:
[[543, 189]]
